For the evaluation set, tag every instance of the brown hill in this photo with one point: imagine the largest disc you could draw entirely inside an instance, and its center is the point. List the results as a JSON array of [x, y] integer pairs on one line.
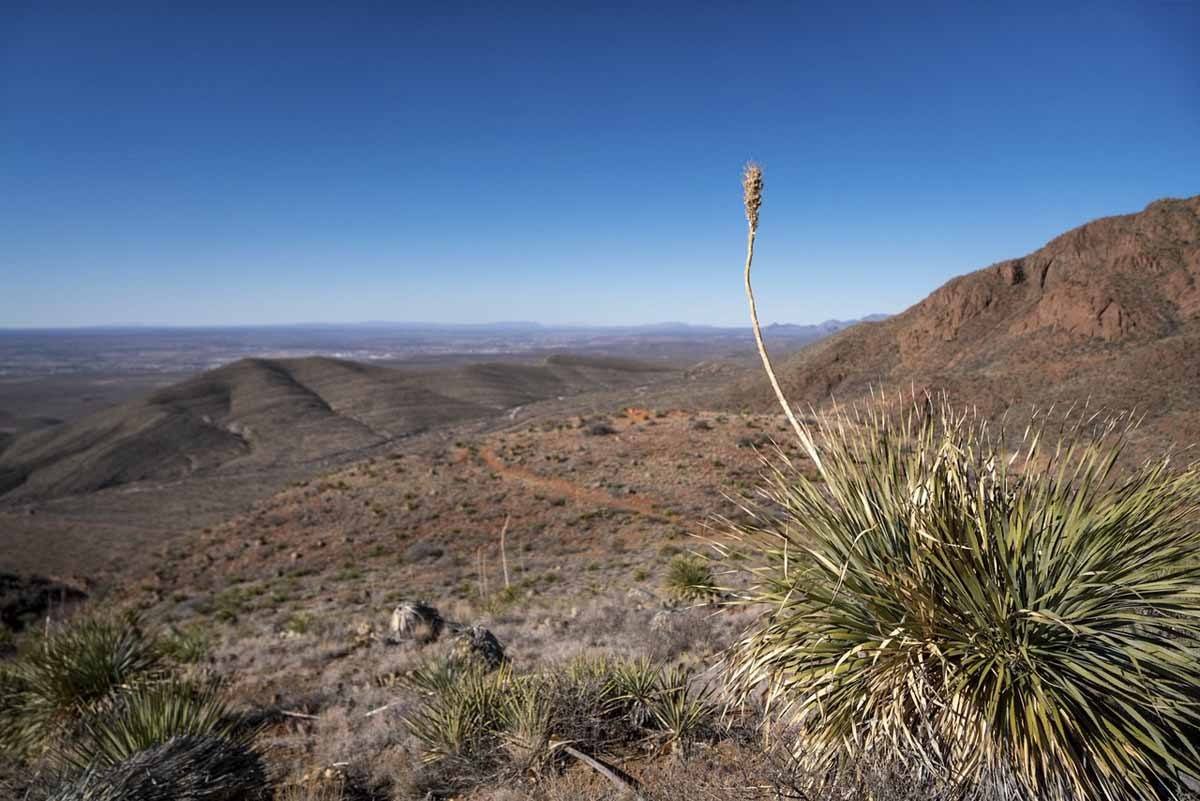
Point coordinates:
[[1108, 312], [266, 413]]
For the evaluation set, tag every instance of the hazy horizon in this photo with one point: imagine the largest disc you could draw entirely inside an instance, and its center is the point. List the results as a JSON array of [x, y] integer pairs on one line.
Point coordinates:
[[417, 324]]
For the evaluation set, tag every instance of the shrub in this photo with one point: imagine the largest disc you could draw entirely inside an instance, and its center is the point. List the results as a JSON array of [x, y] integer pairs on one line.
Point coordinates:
[[689, 578], [187, 645], [981, 612], [70, 673], [483, 722], [528, 725]]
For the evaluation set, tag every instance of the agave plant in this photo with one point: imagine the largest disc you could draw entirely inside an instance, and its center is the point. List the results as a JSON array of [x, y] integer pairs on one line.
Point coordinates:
[[1023, 623]]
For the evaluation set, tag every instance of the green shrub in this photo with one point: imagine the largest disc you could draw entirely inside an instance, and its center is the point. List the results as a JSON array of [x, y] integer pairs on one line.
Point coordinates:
[[483, 721], [187, 645], [299, 623], [70, 673], [982, 612], [689, 579]]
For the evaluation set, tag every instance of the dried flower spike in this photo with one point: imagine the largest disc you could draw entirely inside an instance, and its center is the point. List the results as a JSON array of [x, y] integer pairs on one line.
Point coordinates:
[[752, 187]]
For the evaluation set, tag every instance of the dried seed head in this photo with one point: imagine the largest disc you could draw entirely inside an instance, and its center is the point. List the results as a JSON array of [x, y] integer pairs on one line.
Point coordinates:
[[752, 187]]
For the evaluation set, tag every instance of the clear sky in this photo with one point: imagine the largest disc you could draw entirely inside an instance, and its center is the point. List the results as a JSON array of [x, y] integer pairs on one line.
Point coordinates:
[[477, 163]]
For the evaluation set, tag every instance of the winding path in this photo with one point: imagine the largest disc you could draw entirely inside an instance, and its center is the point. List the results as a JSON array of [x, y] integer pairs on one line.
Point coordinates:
[[639, 505]]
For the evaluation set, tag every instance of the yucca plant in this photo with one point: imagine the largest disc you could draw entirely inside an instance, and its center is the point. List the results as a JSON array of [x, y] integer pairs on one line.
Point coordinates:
[[528, 724], [69, 673], [463, 718], [152, 715], [636, 685], [188, 645], [434, 677], [186, 768], [689, 578], [1019, 622], [681, 711]]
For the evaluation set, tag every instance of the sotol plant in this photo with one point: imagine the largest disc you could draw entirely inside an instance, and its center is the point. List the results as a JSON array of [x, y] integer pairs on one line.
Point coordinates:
[[1020, 623]]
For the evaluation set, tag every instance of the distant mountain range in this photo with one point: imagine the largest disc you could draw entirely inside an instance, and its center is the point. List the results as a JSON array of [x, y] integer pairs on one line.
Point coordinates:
[[502, 327]]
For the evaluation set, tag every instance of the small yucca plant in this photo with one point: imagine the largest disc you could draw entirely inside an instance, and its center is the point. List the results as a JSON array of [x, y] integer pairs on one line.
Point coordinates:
[[681, 711], [636, 685], [70, 673], [528, 724], [150, 716], [463, 717], [689, 579], [1023, 623], [187, 646]]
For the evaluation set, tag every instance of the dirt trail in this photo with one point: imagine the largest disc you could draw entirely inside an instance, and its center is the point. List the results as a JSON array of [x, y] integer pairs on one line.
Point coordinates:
[[560, 486]]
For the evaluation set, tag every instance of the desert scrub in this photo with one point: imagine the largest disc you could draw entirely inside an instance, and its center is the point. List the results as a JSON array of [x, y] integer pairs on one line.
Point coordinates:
[[188, 645], [1020, 623], [689, 578], [463, 713], [489, 724], [1027, 614]]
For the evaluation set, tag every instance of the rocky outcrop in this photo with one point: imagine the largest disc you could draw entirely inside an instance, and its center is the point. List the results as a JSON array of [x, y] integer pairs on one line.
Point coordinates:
[[1108, 312]]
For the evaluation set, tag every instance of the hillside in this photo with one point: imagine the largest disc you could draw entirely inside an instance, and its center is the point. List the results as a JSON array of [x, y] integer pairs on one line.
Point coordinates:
[[264, 413], [1108, 313]]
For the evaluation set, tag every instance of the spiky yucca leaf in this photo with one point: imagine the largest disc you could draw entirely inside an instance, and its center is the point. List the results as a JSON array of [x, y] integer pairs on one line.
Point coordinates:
[[71, 672], [462, 717], [528, 723], [681, 711], [637, 683], [689, 578], [1031, 614], [188, 768], [150, 716]]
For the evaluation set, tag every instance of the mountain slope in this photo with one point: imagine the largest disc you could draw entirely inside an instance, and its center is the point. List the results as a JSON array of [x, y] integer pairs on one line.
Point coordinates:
[[1108, 313], [259, 413]]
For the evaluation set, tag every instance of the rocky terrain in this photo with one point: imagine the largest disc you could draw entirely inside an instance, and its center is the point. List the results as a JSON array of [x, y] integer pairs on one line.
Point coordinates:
[[1107, 314]]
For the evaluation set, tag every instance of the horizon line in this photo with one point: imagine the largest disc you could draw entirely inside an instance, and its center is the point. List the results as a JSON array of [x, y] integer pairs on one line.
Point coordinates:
[[421, 324]]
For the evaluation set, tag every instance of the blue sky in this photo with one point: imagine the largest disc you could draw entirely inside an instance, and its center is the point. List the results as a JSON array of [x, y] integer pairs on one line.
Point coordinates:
[[465, 164]]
